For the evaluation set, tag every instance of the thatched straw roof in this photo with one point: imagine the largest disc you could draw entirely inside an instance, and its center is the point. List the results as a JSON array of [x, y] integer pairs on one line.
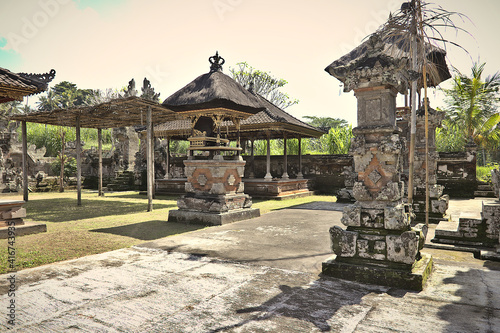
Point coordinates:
[[119, 112], [271, 118], [14, 86], [391, 52], [211, 91]]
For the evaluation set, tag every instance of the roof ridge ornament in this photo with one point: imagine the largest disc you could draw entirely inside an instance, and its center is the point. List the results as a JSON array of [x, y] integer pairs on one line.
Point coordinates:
[[216, 62], [43, 78]]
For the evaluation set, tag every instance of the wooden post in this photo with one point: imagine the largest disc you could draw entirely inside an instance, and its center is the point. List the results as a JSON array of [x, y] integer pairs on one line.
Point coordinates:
[[299, 174], [99, 145], [285, 160], [78, 163], [25, 160], [149, 161], [152, 158], [252, 158], [167, 159], [268, 175]]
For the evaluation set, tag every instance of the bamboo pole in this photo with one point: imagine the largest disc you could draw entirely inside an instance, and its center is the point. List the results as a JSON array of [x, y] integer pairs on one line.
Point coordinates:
[[149, 161], [25, 161], [78, 163], [99, 147], [426, 108], [413, 118]]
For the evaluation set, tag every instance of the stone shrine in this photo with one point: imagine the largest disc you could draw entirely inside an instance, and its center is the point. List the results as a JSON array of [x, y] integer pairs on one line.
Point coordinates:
[[214, 169], [379, 246], [438, 203]]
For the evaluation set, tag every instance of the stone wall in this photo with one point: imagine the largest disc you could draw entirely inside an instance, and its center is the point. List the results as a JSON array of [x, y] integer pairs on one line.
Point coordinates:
[[456, 171], [327, 171]]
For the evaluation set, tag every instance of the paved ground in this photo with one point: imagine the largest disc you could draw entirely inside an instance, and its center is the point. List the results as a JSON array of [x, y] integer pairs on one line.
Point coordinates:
[[260, 275]]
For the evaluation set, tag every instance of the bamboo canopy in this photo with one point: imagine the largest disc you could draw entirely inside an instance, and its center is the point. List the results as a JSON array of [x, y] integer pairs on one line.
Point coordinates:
[[118, 112]]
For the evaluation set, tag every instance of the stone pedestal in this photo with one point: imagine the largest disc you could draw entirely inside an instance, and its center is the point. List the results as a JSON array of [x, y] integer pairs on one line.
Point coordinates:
[[378, 246], [214, 193]]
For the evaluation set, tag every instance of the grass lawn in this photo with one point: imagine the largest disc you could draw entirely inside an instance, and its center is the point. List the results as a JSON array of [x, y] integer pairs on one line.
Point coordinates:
[[102, 224]]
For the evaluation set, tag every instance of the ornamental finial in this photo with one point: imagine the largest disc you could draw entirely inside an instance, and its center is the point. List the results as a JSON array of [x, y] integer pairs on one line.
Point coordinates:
[[216, 62]]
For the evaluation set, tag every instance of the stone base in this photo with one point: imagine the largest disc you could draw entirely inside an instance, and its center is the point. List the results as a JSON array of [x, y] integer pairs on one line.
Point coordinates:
[[28, 228], [170, 186], [196, 217], [276, 189], [413, 279]]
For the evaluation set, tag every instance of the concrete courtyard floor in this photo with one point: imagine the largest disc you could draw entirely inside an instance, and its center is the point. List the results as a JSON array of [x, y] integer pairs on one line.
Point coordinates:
[[259, 275]]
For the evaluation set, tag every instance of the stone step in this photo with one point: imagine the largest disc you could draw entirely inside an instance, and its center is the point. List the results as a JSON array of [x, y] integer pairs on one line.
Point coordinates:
[[485, 194], [447, 229], [484, 187]]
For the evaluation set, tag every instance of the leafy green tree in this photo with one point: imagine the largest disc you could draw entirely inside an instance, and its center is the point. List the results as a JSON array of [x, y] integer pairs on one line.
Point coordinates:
[[337, 140], [325, 123], [262, 83]]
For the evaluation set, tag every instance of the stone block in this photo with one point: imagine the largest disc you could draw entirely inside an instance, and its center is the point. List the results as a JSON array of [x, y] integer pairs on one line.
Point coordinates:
[[402, 248], [13, 213], [351, 216], [371, 247], [360, 192], [393, 191], [372, 218], [395, 218], [343, 242]]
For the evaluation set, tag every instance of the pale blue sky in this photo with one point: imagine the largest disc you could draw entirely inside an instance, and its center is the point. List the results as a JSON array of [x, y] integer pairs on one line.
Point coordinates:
[[102, 44]]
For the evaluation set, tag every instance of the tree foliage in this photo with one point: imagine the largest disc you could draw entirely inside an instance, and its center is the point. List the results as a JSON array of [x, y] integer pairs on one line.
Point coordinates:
[[262, 83], [325, 123], [471, 107]]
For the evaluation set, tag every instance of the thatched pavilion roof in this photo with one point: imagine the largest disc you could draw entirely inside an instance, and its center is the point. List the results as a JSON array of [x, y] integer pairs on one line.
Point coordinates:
[[211, 91], [119, 112], [14, 86], [271, 118]]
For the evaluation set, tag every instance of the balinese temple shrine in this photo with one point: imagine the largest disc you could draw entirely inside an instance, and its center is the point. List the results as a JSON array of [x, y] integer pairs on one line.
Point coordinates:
[[214, 169], [379, 244], [270, 123]]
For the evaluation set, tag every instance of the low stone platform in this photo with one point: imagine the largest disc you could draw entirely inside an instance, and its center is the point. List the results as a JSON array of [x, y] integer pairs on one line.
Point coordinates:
[[197, 217], [277, 189], [411, 280], [170, 186], [28, 228], [472, 228]]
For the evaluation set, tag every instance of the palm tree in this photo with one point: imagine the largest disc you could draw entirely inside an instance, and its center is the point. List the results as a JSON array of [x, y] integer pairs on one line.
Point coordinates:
[[472, 106], [49, 102]]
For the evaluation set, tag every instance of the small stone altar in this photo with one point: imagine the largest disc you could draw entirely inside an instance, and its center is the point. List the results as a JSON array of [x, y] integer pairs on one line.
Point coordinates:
[[379, 246], [214, 169], [438, 203]]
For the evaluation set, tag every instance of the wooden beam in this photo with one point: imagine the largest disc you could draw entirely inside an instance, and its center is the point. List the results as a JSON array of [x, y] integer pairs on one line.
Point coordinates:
[[149, 161], [78, 163], [99, 145], [25, 161]]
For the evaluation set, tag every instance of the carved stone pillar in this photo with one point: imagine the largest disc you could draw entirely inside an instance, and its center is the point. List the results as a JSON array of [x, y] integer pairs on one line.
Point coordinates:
[[378, 246]]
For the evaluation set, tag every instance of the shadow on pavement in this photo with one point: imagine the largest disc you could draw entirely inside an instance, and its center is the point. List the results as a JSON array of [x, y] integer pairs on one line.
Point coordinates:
[[316, 304]]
